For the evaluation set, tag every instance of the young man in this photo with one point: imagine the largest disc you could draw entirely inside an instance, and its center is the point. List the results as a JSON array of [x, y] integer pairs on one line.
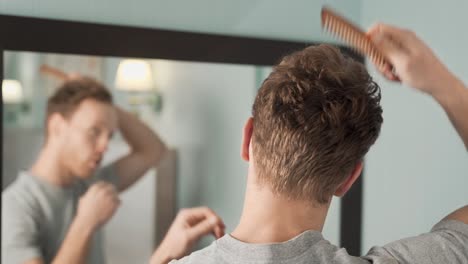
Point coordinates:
[[314, 119], [53, 212]]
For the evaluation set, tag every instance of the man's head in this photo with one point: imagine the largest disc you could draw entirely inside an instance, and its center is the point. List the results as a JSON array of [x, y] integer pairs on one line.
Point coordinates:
[[80, 121], [314, 119]]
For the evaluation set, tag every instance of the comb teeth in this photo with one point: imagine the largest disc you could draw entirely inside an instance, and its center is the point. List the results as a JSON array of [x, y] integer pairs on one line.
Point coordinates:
[[351, 34]]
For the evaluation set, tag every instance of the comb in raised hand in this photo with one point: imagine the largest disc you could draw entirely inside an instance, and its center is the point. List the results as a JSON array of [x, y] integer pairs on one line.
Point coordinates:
[[353, 36]]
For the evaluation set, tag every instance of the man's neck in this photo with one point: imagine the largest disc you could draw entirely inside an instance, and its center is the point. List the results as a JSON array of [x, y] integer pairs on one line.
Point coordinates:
[[271, 218], [48, 168]]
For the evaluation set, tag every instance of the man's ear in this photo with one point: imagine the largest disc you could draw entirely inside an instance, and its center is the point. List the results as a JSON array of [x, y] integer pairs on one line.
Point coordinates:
[[346, 185], [246, 139], [56, 124]]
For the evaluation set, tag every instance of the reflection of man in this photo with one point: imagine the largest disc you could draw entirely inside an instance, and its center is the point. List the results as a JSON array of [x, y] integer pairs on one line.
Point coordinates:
[[314, 119], [53, 212]]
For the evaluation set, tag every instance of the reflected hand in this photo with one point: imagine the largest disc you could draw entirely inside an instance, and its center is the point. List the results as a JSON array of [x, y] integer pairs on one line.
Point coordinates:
[[59, 74], [98, 205], [189, 226]]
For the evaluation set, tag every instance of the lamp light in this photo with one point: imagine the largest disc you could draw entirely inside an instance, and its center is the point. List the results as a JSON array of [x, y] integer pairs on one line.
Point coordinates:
[[12, 92], [134, 76]]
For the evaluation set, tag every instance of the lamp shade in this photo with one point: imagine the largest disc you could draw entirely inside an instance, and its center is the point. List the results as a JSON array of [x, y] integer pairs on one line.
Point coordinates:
[[134, 75], [12, 91]]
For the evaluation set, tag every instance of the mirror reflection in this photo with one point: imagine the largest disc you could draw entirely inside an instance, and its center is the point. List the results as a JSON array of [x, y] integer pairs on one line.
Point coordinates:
[[196, 109]]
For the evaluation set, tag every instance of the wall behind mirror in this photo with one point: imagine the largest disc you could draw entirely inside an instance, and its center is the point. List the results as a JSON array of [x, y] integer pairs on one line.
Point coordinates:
[[255, 18], [198, 109]]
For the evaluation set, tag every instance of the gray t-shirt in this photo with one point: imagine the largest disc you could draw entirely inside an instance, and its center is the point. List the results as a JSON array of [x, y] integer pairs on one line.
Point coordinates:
[[36, 216], [446, 243]]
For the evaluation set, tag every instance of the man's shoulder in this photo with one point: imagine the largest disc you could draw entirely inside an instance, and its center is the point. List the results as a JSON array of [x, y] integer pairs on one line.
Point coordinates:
[[446, 243], [207, 255], [24, 194], [20, 189]]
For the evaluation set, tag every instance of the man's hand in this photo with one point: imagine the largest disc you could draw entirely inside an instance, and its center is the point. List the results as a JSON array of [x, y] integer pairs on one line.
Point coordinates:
[[416, 65], [189, 226], [98, 205], [414, 62]]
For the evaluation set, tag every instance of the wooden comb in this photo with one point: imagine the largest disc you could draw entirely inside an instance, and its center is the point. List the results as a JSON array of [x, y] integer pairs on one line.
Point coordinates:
[[54, 72], [354, 36]]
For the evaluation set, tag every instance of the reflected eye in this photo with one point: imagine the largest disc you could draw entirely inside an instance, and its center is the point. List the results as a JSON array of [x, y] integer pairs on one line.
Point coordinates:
[[94, 132]]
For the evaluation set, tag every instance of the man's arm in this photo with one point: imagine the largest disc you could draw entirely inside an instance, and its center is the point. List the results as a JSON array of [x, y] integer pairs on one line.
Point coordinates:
[[455, 104], [147, 149], [95, 208], [459, 215], [416, 65], [75, 247]]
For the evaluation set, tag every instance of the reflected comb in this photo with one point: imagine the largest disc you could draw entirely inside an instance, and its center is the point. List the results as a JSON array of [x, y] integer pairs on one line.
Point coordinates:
[[54, 72], [352, 35]]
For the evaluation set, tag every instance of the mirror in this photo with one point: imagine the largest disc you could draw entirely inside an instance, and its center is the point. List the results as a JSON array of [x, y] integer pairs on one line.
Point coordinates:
[[201, 96], [197, 108]]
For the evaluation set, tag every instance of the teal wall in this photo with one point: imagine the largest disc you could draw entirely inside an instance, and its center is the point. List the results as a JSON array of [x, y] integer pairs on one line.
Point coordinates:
[[295, 20]]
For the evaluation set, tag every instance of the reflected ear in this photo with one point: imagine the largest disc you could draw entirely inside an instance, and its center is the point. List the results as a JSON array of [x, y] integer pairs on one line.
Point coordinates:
[[56, 124], [346, 185], [246, 139]]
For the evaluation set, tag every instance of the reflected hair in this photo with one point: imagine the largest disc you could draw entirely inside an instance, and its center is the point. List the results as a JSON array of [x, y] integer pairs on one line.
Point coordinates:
[[71, 93]]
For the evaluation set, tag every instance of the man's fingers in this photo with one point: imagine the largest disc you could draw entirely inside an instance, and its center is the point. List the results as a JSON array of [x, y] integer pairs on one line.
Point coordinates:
[[389, 74], [116, 200], [391, 41], [393, 77], [97, 185], [104, 189], [205, 227], [74, 76], [111, 191], [109, 188], [196, 214], [219, 231], [398, 34], [201, 221]]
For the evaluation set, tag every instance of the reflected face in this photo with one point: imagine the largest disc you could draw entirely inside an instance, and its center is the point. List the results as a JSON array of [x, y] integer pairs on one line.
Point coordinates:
[[88, 132]]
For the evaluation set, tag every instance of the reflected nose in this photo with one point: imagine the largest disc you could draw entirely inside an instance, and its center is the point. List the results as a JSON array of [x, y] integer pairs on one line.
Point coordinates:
[[102, 145]]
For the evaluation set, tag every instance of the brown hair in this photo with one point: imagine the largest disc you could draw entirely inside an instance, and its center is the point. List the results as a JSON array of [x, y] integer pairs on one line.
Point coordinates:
[[74, 91], [315, 117]]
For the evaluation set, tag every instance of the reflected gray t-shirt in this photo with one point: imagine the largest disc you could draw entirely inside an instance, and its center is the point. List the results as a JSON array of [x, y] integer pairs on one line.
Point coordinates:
[[36, 216], [447, 243]]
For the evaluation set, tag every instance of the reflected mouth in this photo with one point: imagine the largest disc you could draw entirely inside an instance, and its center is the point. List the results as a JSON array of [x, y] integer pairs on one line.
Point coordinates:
[[95, 163]]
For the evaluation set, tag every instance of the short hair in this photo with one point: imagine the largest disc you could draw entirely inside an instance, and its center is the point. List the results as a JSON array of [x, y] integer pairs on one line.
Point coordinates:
[[314, 118], [72, 92]]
